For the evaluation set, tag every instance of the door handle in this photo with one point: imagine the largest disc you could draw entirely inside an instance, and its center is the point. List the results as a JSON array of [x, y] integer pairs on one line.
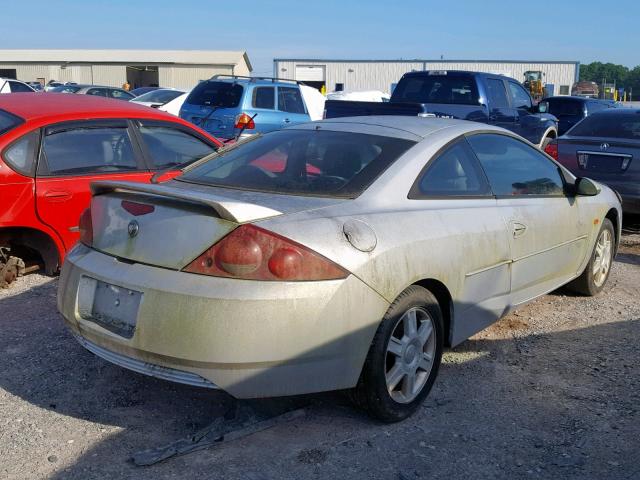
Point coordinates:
[[57, 195], [518, 229], [286, 120]]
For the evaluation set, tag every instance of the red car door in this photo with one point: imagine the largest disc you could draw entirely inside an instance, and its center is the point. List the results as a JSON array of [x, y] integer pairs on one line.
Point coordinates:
[[74, 154]]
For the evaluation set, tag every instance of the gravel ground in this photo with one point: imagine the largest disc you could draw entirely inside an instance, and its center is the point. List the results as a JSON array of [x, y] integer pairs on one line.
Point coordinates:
[[551, 391]]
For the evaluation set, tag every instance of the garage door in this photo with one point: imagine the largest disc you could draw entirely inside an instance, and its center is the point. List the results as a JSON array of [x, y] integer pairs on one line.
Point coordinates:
[[310, 73]]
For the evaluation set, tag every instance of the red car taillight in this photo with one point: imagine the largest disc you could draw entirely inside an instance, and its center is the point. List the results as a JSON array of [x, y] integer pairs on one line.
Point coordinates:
[[85, 226], [252, 253], [552, 149], [245, 121]]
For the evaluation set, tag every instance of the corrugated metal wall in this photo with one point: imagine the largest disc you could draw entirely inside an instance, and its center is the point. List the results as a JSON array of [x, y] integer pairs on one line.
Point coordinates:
[[380, 75], [354, 75], [176, 76], [187, 76]]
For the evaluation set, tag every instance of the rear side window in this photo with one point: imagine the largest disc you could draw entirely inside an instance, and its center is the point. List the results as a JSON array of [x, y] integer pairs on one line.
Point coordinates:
[[8, 121], [20, 155], [290, 100], [17, 87], [170, 146], [452, 89], [216, 94], [561, 107], [515, 168], [455, 172], [264, 97], [497, 93], [611, 125], [302, 162], [76, 151]]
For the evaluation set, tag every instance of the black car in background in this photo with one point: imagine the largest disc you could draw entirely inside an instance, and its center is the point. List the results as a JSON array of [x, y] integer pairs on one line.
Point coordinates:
[[570, 110], [605, 146]]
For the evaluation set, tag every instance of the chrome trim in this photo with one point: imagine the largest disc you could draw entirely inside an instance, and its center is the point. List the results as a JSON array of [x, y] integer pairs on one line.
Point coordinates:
[[500, 264], [145, 368], [604, 154], [582, 237]]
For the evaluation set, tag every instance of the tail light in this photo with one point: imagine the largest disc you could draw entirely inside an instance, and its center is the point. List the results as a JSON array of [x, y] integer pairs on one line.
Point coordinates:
[[252, 253], [552, 149], [85, 226], [245, 121]]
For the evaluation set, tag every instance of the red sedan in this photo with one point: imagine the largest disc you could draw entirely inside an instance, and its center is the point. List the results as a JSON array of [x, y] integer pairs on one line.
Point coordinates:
[[53, 146]]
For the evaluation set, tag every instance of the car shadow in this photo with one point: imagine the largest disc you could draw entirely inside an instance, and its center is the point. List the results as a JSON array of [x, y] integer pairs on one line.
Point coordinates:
[[505, 401]]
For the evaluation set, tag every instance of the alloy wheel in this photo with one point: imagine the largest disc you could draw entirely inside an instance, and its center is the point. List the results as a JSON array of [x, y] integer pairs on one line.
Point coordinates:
[[602, 260]]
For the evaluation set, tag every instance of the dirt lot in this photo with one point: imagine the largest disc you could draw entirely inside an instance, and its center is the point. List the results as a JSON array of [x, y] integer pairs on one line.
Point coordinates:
[[552, 391]]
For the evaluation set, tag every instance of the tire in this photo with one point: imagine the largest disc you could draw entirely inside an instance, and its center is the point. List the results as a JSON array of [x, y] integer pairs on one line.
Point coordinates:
[[589, 282], [372, 393]]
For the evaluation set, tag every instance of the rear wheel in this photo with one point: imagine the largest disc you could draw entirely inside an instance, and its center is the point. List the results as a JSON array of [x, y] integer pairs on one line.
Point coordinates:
[[404, 357], [597, 272]]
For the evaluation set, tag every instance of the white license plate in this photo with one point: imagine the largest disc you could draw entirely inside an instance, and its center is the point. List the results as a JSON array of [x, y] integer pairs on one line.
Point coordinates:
[[112, 307]]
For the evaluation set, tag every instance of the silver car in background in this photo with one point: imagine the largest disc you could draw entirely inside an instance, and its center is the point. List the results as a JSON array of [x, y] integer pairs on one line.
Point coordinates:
[[341, 254]]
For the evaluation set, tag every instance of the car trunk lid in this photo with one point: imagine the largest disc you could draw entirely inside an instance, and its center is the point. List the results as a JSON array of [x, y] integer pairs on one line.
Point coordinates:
[[169, 225]]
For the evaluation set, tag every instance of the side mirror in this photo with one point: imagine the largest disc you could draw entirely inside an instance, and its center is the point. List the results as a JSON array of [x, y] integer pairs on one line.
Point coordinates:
[[543, 107], [586, 187]]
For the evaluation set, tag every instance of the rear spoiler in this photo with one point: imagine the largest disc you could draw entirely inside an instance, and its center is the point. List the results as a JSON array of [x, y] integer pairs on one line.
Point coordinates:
[[225, 208]]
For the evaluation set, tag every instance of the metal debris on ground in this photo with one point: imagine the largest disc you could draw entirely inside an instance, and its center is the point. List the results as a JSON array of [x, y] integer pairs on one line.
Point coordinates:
[[221, 431]]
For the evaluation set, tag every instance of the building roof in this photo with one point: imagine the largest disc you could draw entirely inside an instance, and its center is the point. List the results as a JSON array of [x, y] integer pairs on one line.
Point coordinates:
[[418, 60], [189, 57]]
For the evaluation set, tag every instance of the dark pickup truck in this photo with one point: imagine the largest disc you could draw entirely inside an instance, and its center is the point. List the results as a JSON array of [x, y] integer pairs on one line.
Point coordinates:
[[475, 96]]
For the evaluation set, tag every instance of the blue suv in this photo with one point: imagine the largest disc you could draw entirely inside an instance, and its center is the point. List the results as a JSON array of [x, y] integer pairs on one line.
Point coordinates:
[[226, 106]]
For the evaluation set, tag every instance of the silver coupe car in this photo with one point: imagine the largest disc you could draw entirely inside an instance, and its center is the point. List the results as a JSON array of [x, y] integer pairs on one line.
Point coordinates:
[[341, 254]]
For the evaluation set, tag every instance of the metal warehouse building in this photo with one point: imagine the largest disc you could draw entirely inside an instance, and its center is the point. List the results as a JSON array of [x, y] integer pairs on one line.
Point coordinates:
[[165, 68], [384, 74]]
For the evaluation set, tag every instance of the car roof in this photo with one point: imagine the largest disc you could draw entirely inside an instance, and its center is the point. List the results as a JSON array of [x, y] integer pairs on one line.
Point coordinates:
[[54, 105], [418, 126], [619, 111], [426, 73]]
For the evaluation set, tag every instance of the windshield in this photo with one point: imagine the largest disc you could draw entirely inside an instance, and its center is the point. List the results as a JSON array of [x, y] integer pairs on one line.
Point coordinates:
[[66, 89], [561, 107], [159, 96], [8, 121], [609, 125], [216, 94], [451, 89], [303, 162]]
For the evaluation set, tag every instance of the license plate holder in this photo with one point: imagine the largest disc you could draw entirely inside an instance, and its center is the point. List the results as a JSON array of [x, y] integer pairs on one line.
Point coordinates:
[[112, 307]]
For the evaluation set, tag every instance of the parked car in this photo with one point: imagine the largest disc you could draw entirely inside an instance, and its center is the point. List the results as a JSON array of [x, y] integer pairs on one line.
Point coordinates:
[[479, 97], [53, 146], [142, 90], [95, 90], [9, 85], [226, 105], [37, 86], [157, 98], [570, 110], [605, 146], [407, 234], [360, 96], [173, 107]]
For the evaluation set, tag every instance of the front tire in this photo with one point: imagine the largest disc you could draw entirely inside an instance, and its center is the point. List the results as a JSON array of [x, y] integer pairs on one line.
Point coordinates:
[[597, 271], [404, 357]]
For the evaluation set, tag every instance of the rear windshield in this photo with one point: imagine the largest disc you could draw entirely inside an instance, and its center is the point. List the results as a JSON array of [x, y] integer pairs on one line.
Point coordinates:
[[216, 94], [8, 121], [303, 162], [66, 89], [452, 89], [561, 107], [159, 96], [608, 125]]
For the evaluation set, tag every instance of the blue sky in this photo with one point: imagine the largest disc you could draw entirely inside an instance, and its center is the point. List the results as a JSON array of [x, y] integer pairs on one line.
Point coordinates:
[[461, 29]]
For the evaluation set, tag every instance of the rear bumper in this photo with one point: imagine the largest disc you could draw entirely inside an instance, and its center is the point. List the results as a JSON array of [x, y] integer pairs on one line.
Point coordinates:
[[251, 339]]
